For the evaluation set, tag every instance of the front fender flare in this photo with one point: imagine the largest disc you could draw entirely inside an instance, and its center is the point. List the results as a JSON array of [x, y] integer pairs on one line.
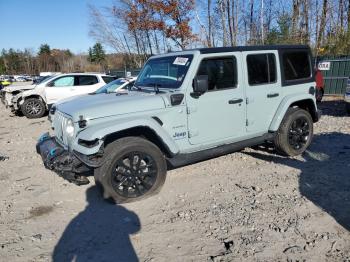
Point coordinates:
[[99, 131]]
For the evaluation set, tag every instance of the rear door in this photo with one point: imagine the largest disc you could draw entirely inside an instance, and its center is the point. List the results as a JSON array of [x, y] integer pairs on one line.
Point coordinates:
[[263, 89], [219, 114], [86, 84]]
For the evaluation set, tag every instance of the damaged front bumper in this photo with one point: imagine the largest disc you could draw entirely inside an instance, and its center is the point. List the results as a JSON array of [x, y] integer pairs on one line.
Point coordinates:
[[72, 166]]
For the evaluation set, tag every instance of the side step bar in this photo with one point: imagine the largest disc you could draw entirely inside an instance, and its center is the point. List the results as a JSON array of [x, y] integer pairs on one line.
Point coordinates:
[[195, 157]]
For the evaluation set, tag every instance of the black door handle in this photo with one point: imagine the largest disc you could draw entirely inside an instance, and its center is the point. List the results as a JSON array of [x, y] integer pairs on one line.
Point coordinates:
[[235, 101], [272, 95]]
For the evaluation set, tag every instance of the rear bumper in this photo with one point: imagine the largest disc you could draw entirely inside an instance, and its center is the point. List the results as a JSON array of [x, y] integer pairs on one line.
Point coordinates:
[[69, 165]]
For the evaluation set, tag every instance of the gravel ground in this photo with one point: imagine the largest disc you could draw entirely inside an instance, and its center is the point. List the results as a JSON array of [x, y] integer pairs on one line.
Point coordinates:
[[251, 205]]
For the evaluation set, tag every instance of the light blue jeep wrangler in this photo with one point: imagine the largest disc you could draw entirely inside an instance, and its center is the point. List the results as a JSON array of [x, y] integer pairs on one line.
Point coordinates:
[[185, 107]]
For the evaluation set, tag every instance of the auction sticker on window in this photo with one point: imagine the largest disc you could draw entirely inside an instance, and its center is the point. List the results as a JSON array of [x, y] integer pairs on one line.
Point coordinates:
[[180, 61]]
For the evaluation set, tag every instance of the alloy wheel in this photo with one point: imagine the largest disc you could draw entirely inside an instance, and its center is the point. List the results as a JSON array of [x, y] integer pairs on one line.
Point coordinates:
[[134, 174], [299, 132]]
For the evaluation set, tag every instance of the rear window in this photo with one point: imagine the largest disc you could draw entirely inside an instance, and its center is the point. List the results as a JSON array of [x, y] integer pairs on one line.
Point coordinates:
[[261, 69], [87, 80], [296, 65], [108, 79]]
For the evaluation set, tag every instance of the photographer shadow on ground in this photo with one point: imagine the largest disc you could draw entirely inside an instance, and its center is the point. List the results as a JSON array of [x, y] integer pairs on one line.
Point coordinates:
[[101, 232], [325, 173]]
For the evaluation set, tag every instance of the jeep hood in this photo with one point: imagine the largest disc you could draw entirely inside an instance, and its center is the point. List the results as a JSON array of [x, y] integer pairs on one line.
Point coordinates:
[[104, 105], [12, 88]]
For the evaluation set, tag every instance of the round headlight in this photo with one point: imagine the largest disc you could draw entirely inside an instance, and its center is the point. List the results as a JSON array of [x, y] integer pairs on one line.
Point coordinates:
[[70, 127]]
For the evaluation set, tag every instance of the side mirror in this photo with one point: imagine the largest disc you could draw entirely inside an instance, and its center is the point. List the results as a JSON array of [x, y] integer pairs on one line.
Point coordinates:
[[50, 84], [200, 85]]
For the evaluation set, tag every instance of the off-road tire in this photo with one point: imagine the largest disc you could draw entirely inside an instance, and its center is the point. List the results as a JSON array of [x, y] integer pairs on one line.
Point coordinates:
[[283, 142], [28, 108], [114, 153]]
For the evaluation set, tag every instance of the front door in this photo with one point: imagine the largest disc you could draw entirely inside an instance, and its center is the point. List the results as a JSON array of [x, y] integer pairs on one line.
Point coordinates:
[[218, 114], [59, 88]]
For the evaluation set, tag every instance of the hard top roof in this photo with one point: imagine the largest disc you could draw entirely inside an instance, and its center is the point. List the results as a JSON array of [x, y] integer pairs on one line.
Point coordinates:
[[212, 50], [249, 48]]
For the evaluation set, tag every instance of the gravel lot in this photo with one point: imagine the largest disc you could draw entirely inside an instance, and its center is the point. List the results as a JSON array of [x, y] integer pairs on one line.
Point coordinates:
[[251, 205]]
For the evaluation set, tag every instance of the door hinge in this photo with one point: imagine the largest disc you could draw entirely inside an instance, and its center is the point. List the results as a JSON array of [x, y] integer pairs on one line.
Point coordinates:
[[247, 100], [246, 122]]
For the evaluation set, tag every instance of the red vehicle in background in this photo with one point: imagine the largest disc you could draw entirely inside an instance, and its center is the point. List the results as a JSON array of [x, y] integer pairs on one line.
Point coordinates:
[[319, 85]]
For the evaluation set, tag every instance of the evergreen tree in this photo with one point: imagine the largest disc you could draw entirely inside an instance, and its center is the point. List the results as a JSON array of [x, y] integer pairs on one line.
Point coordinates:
[[97, 54], [44, 49]]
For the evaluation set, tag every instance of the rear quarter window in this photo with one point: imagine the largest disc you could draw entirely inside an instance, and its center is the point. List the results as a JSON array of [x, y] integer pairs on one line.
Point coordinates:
[[296, 65], [108, 79], [87, 80]]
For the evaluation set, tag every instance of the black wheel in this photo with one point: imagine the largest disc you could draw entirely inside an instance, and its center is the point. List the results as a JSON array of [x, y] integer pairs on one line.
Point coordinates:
[[33, 108], [295, 132], [133, 169]]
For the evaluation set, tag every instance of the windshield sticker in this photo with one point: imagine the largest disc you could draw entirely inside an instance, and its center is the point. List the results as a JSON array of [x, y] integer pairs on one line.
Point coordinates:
[[180, 61]]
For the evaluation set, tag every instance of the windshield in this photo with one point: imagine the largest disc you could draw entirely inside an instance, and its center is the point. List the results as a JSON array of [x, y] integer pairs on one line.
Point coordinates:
[[164, 72], [112, 86]]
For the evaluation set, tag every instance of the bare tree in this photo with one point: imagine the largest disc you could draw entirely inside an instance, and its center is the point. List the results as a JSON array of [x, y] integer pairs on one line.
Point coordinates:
[[305, 22], [295, 18], [251, 21], [322, 23], [348, 16], [210, 25]]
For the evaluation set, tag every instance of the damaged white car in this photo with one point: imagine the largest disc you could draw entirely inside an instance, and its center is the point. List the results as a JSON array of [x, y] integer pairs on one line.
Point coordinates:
[[34, 101]]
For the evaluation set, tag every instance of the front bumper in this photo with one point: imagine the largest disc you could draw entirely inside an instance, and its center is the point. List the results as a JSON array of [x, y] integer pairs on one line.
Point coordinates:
[[66, 164]]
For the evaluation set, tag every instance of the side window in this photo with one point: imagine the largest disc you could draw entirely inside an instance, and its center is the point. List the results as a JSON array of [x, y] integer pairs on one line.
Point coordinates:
[[221, 72], [261, 69], [87, 80], [64, 81], [108, 79], [296, 65]]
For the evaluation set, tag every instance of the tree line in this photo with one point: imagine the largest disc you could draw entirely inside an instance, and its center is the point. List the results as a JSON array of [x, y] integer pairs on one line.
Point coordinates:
[[140, 28], [56, 60], [137, 29]]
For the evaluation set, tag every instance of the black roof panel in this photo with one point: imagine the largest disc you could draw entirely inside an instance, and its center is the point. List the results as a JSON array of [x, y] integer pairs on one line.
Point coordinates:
[[249, 48]]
